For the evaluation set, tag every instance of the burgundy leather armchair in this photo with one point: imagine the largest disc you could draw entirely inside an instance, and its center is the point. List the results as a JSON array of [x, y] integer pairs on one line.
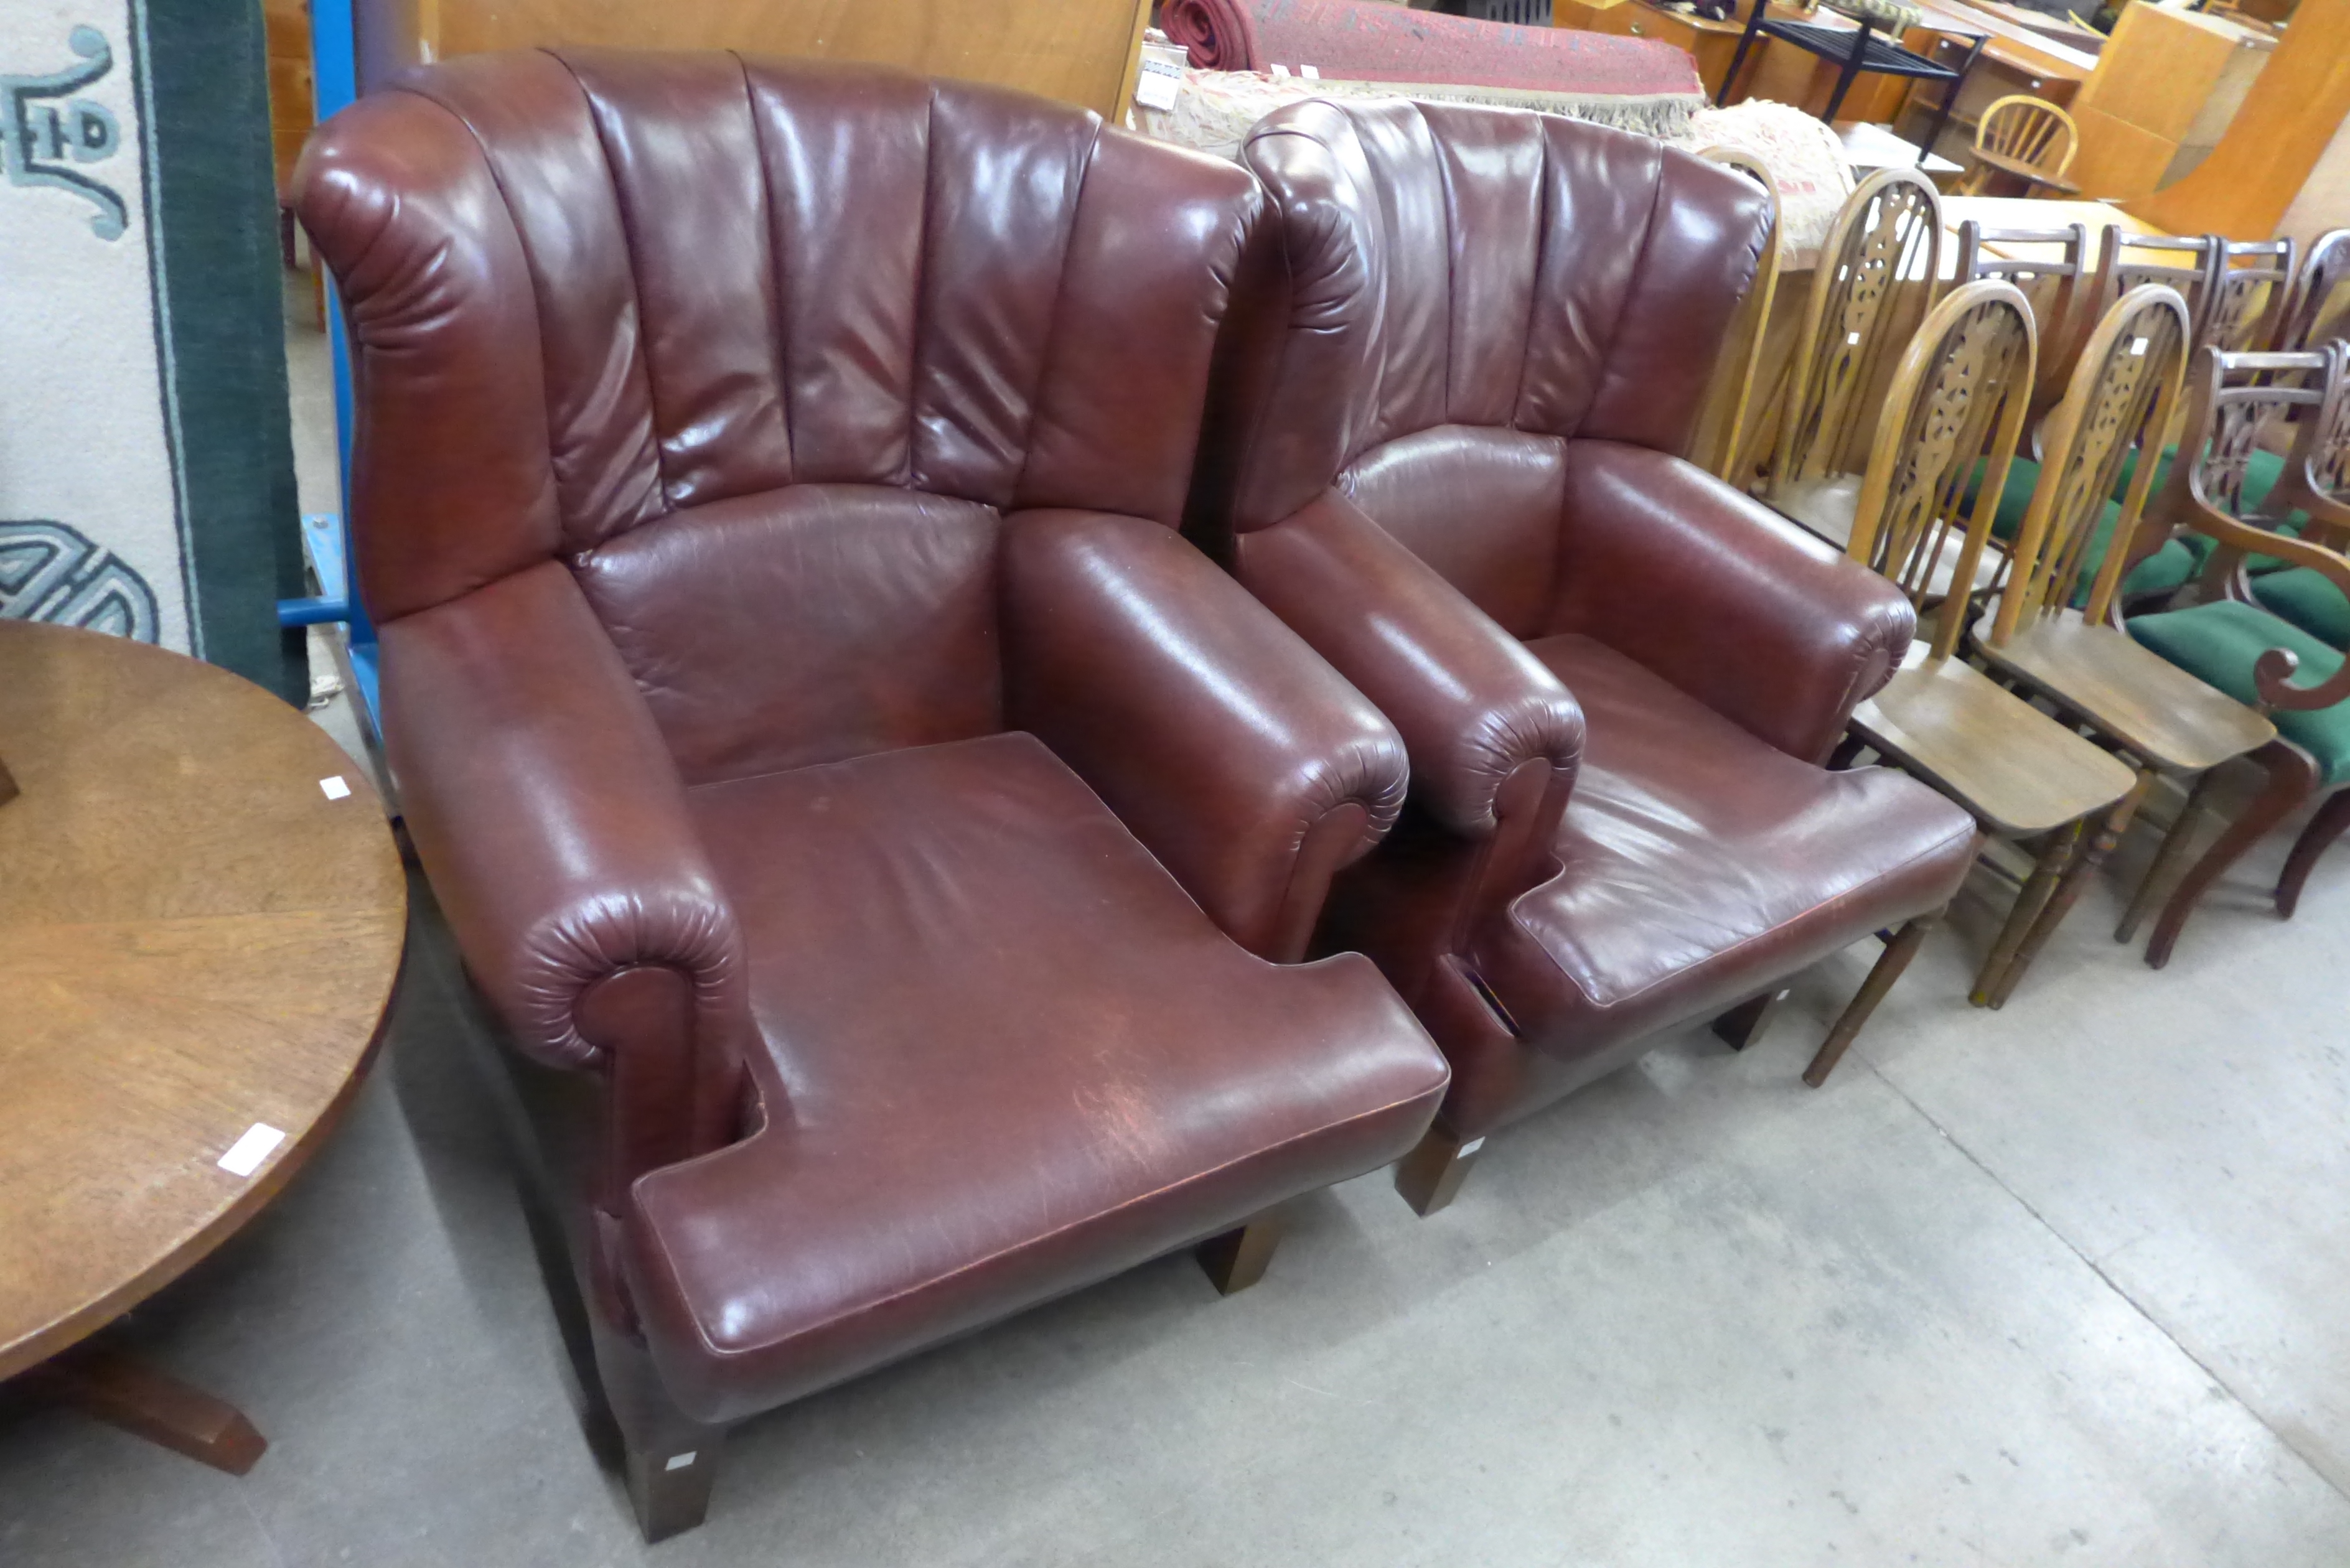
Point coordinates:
[[831, 761], [1443, 446]]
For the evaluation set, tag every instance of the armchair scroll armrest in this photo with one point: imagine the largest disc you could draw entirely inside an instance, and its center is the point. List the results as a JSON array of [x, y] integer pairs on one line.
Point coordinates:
[[1494, 739], [553, 825], [1739, 608], [1239, 758], [1474, 706]]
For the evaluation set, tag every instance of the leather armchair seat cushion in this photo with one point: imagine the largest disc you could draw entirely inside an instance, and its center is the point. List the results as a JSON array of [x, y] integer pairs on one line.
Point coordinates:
[[1698, 865], [1005, 1055]]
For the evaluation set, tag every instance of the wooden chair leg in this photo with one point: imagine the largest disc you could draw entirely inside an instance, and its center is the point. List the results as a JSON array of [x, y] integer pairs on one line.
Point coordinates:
[[2047, 869], [1744, 1025], [2158, 872], [2085, 864], [2293, 776], [2331, 819], [1429, 1177], [1889, 967], [669, 1460], [1236, 1259]]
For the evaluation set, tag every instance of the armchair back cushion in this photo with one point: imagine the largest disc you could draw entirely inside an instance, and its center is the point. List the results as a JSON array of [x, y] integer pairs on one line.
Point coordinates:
[[1486, 284], [762, 350]]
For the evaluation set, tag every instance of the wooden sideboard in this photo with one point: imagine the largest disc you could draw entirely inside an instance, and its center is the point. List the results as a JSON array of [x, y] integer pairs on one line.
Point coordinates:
[[2166, 89]]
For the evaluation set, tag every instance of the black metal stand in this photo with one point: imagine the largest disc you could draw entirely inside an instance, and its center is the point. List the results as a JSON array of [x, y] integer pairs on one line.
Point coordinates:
[[1854, 49]]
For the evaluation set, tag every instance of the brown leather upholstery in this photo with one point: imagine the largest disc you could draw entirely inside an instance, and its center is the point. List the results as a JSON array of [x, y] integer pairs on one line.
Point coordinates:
[[811, 722], [1439, 447]]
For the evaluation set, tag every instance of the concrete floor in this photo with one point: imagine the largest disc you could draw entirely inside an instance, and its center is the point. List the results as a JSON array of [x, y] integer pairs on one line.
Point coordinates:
[[2063, 1284]]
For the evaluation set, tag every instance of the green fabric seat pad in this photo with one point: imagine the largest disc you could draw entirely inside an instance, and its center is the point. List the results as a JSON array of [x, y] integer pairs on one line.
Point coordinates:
[[2261, 470], [2219, 643], [2310, 600], [2166, 571]]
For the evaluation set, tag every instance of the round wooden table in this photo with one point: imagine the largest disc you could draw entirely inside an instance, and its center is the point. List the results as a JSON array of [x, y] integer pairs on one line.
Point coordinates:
[[197, 938]]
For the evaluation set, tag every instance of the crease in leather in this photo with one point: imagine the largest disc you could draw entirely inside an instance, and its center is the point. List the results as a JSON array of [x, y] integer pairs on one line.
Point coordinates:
[[1044, 357], [1623, 310], [675, 1281], [1841, 897], [635, 287]]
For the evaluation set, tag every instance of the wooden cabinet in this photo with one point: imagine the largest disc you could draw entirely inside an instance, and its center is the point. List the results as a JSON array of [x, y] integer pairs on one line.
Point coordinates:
[[1711, 43], [2167, 86]]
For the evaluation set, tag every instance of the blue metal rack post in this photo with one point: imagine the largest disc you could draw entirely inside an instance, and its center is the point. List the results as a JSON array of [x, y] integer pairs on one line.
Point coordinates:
[[334, 52]]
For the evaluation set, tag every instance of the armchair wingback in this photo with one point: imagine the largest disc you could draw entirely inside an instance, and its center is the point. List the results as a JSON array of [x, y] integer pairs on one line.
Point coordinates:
[[817, 733], [1443, 446]]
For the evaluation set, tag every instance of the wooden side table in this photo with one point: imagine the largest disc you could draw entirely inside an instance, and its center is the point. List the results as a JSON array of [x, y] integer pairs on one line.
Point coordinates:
[[202, 918]]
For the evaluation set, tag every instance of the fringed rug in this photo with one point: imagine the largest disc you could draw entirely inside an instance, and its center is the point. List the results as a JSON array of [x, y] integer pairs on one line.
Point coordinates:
[[146, 476]]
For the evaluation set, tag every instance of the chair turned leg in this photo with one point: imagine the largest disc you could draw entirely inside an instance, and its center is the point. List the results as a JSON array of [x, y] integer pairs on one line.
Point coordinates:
[[1744, 1025], [669, 1460], [1236, 1260], [2038, 888], [1889, 965], [2085, 864], [2327, 825], [2292, 775], [2158, 872], [1429, 1177]]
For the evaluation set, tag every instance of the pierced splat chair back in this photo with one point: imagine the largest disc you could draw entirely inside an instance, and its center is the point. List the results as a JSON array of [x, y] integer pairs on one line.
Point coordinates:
[[2123, 396], [1958, 399], [2190, 264], [2232, 401], [2031, 132], [2316, 477], [2254, 287], [2059, 285], [2319, 308], [1720, 446], [1876, 272]]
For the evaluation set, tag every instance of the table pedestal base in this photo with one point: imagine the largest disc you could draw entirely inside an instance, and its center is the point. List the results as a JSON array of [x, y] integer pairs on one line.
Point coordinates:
[[124, 1391]]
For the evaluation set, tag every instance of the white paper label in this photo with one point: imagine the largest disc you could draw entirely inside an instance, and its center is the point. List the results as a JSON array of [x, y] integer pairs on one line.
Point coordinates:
[[1280, 72], [334, 788], [245, 1154], [679, 1461], [1471, 1146], [1311, 73], [2138, 347], [1156, 86]]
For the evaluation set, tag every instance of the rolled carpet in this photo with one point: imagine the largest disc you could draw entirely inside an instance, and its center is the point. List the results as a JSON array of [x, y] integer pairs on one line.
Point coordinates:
[[1366, 42]]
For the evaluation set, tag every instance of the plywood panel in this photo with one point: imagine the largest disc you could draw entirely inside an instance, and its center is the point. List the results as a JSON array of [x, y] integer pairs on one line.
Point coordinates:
[[2159, 68], [1077, 50], [2118, 160], [2244, 188]]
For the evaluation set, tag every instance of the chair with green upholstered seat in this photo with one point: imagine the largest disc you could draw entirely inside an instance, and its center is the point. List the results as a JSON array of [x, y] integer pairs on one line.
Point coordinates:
[[2228, 641]]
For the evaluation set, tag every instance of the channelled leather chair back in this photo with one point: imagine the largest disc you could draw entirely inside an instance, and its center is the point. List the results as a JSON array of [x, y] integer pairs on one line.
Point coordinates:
[[1719, 445], [1533, 281], [757, 351]]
